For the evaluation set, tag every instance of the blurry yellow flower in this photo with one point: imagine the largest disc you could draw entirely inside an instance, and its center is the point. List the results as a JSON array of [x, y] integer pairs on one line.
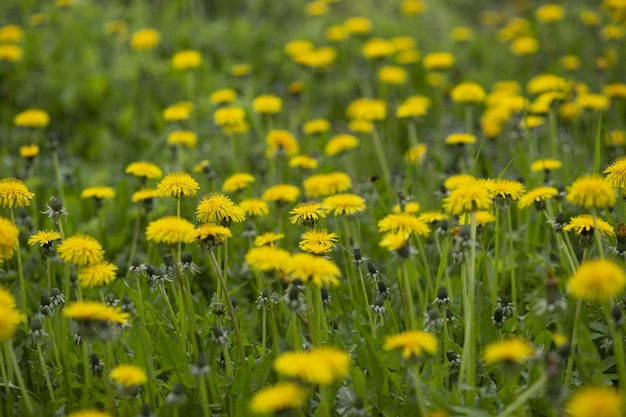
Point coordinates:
[[240, 70], [468, 92], [320, 365], [586, 224], [430, 217], [98, 193], [89, 413], [223, 96], [178, 111], [32, 118], [282, 193], [296, 47], [544, 83], [36, 19], [344, 204], [438, 61], [537, 196], [202, 166], [569, 111], [95, 311], [97, 274], [143, 194], [525, 45], [570, 62], [358, 25], [531, 122], [144, 169], [171, 230], [321, 185], [597, 281], [391, 74], [589, 18], [177, 185], [515, 28], [11, 33], [596, 401], [482, 218], [317, 241], [116, 27], [9, 235], [416, 153], [296, 87], [612, 32], [237, 181], [267, 258], [414, 106], [413, 7], [128, 375], [218, 208], [403, 222], [550, 13], [615, 90], [460, 139], [316, 126], [472, 195], [615, 138], [320, 271], [281, 142], [254, 207], [182, 137], [367, 109], [229, 116], [408, 207], [462, 34], [316, 8], [409, 56], [303, 162], [591, 192], [512, 350], [394, 241], [318, 59], [279, 397], [10, 320], [336, 33], [80, 249], [597, 102], [267, 104], [145, 39], [10, 52], [455, 181], [402, 43], [267, 239], [545, 165], [413, 343], [360, 126], [186, 60], [377, 48], [14, 193]]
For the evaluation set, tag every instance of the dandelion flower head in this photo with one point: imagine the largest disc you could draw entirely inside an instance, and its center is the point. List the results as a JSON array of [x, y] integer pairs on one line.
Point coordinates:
[[320, 271], [80, 249], [144, 169], [217, 207], [591, 192], [512, 350], [171, 230], [413, 343], [596, 401], [177, 185], [468, 196], [14, 193], [597, 281], [282, 396], [128, 375], [97, 274], [318, 241]]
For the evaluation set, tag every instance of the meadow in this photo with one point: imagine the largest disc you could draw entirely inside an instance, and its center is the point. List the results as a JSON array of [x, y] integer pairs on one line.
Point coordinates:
[[312, 208]]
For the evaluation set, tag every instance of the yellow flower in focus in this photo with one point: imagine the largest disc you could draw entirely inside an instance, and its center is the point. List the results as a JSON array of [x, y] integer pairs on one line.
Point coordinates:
[[98, 193], [80, 249], [182, 137], [549, 13], [320, 365], [281, 142], [97, 274], [143, 169], [282, 193], [267, 104], [218, 208], [597, 281], [32, 118], [237, 181], [344, 204], [358, 25], [317, 241], [14, 193], [413, 7], [171, 230], [460, 139], [267, 238], [11, 33], [254, 207], [307, 213], [186, 60], [10, 52], [585, 225], [267, 258], [525, 45], [177, 185], [341, 143], [617, 173], [598, 401], [322, 185], [438, 61], [472, 195], [512, 350], [455, 181], [145, 39], [537, 196], [320, 271], [212, 234], [377, 48], [391, 74], [504, 189], [413, 343], [315, 126], [128, 375], [591, 192], [416, 153], [394, 241], [178, 111], [279, 397], [44, 237]]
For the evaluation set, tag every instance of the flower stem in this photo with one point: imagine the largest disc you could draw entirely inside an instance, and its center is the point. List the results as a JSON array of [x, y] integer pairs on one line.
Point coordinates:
[[468, 366], [524, 397], [44, 371], [20, 273], [20, 379], [380, 153], [419, 394], [570, 359], [618, 348]]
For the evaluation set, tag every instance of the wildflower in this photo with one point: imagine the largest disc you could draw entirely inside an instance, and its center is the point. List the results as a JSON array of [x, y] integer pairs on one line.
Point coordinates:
[[321, 271], [89, 413], [395, 241], [344, 204], [29, 152], [591, 192], [462, 34], [416, 153], [11, 33], [32, 118], [597, 102], [391, 74], [254, 207], [317, 241], [617, 173], [589, 18], [596, 401], [97, 274], [307, 213], [145, 39], [143, 195], [267, 238], [468, 92], [403, 222], [524, 45], [44, 237], [185, 60], [585, 224], [413, 343], [409, 56], [615, 138], [217, 207], [223, 96], [414, 106], [267, 258], [538, 196], [367, 109], [322, 365], [10, 53], [182, 137], [327, 184], [10, 320], [128, 375], [340, 144], [281, 142], [229, 116], [171, 230], [473, 195], [98, 193], [377, 48], [360, 126], [303, 162], [615, 90], [545, 165], [240, 70], [177, 185], [512, 350], [279, 397], [315, 126], [336, 33], [358, 25], [413, 7], [438, 61], [267, 104], [482, 218], [178, 111], [460, 139], [549, 13], [80, 249], [282, 193], [298, 46], [212, 234], [237, 181], [144, 169], [597, 281], [503, 191], [95, 311], [432, 217], [570, 62], [14, 193]]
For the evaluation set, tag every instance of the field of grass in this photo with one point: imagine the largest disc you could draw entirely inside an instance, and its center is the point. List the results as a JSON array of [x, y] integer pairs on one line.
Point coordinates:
[[312, 208]]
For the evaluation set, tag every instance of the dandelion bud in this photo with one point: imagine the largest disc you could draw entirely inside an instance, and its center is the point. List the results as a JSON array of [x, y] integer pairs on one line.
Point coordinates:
[[559, 222], [96, 365], [186, 258], [498, 317], [325, 297], [176, 396], [617, 315], [357, 256], [379, 305], [45, 305], [382, 289], [56, 298], [55, 204], [442, 296], [372, 271]]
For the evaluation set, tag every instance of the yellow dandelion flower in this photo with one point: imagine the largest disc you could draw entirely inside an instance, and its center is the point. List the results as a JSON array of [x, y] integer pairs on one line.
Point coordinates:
[[323, 365], [549, 13], [298, 46], [32, 118], [410, 56], [392, 74], [615, 138], [570, 62], [89, 413], [279, 397], [318, 241], [10, 320], [316, 8], [544, 83], [307, 213], [462, 34], [613, 90], [44, 237], [282, 193], [267, 258], [14, 193], [80, 249], [178, 111], [217, 207], [438, 61], [97, 274], [537, 196], [237, 181], [403, 222], [596, 401], [254, 207], [473, 195], [213, 234], [394, 241], [320, 271], [145, 39], [98, 193], [303, 162], [6, 298], [505, 189], [413, 7], [589, 17], [267, 238], [11, 33], [336, 33], [367, 109], [482, 218], [358, 25], [128, 375], [223, 96], [430, 217], [455, 181], [240, 70], [512, 350], [186, 60], [413, 343], [545, 165], [29, 151], [409, 207], [344, 204], [10, 53], [143, 194], [597, 281], [9, 235], [94, 310], [182, 137], [416, 153], [267, 104], [321, 185], [460, 139], [414, 106], [177, 185], [171, 230], [585, 224], [316, 126], [229, 116], [617, 173], [281, 142], [524, 45], [340, 143], [144, 169], [360, 126], [531, 122], [468, 92], [377, 48], [591, 192]]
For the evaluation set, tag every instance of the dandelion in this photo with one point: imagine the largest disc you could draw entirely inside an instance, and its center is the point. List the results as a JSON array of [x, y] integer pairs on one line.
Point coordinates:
[[361, 126], [217, 207], [438, 61], [298, 46], [512, 350], [394, 241], [597, 281], [237, 181], [502, 190], [391, 74], [317, 241], [171, 230], [545, 165], [143, 195], [267, 238], [538, 196], [267, 258], [97, 274], [358, 25], [462, 34], [128, 375], [183, 138], [11, 33], [240, 70], [303, 162], [223, 96], [460, 139], [144, 169], [95, 311], [281, 142], [44, 237], [430, 217], [482, 218], [524, 45], [33, 118], [322, 365], [98, 193], [321, 185], [307, 213], [316, 126], [229, 116], [468, 93], [321, 271], [367, 109], [145, 39], [213, 234], [473, 195], [413, 7], [178, 111], [267, 104], [403, 222], [414, 106], [377, 48], [617, 173], [344, 204], [284, 193], [340, 143], [14, 193], [336, 33], [456, 181], [29, 152], [591, 192], [586, 223], [596, 401], [10, 317], [177, 185], [254, 207], [279, 397], [186, 60], [10, 53], [416, 153], [89, 413], [549, 13], [80, 249], [413, 343]]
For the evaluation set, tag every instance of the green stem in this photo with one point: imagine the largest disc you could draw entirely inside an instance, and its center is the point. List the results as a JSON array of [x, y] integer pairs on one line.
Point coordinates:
[[419, 394], [20, 273], [382, 159], [496, 262], [87, 374], [618, 348], [179, 334], [524, 397], [468, 366], [133, 246], [570, 359], [20, 379], [512, 253]]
